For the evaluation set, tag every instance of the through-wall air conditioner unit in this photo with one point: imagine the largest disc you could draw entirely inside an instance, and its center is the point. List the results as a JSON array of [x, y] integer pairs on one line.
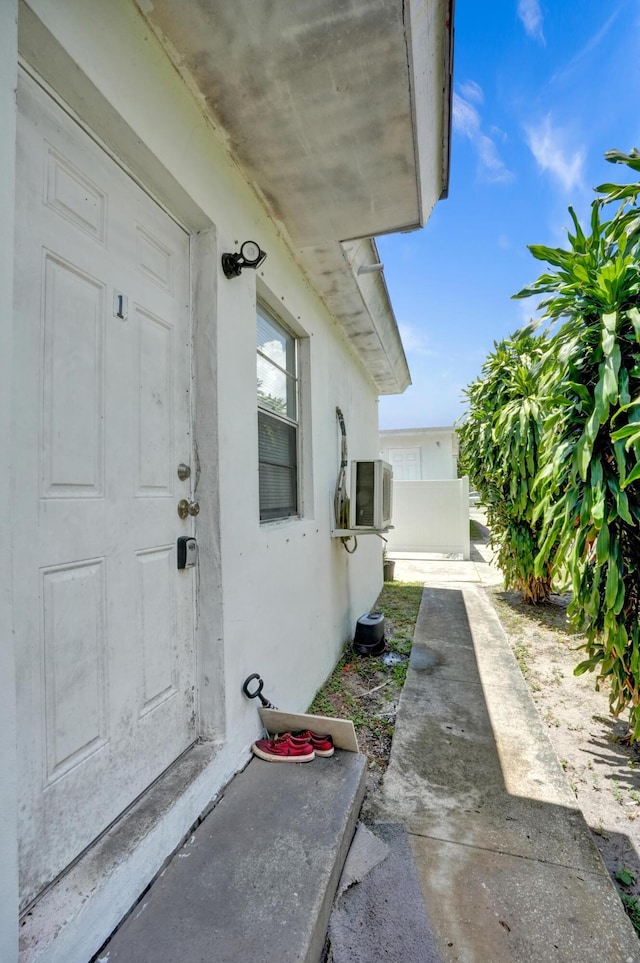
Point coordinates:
[[371, 495]]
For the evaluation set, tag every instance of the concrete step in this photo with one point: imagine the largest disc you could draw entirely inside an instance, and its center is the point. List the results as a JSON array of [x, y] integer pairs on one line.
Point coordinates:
[[256, 880]]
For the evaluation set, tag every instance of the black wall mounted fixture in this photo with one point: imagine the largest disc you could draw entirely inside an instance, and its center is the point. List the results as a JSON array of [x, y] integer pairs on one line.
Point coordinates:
[[250, 256]]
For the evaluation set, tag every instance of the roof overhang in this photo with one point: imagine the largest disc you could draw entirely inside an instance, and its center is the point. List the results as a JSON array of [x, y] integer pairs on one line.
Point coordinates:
[[338, 113]]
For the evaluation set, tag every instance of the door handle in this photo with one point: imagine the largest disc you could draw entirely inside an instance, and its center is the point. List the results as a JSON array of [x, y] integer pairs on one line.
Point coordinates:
[[186, 508]]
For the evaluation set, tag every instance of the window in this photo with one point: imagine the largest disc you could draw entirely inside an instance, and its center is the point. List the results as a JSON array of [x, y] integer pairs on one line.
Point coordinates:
[[278, 418]]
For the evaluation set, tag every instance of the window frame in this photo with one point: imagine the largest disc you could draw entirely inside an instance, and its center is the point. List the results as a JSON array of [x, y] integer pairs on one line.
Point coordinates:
[[264, 311]]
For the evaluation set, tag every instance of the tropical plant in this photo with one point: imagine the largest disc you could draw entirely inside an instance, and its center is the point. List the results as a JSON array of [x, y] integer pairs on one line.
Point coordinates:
[[500, 440], [588, 488]]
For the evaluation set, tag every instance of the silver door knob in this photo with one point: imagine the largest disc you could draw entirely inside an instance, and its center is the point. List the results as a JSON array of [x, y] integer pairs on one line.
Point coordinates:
[[186, 508]]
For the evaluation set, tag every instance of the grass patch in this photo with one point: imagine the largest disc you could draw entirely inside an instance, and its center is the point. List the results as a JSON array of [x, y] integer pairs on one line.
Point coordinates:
[[400, 602], [522, 653], [632, 908], [365, 689], [624, 878]]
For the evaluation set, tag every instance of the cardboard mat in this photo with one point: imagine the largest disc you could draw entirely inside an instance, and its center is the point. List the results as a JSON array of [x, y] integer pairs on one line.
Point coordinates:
[[341, 730]]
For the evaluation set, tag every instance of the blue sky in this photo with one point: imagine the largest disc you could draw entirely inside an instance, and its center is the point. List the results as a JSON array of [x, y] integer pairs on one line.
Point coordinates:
[[541, 91]]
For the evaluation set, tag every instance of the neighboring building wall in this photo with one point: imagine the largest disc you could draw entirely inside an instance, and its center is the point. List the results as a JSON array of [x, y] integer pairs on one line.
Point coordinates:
[[421, 453], [280, 598], [430, 502]]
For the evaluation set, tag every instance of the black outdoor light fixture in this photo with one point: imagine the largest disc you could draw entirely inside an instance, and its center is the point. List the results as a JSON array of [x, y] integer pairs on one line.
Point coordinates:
[[250, 256]]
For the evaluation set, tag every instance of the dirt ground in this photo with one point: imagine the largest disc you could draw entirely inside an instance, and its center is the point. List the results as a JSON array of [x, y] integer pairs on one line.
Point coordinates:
[[602, 770], [374, 719]]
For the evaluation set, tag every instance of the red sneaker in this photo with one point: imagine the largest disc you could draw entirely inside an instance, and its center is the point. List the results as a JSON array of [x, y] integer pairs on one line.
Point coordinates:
[[284, 749], [322, 745]]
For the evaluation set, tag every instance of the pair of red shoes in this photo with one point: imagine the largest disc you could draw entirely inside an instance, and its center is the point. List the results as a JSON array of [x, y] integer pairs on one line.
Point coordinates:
[[300, 746]]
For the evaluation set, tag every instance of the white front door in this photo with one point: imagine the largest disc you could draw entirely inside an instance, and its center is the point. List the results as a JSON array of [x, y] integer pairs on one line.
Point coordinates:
[[406, 463], [101, 420]]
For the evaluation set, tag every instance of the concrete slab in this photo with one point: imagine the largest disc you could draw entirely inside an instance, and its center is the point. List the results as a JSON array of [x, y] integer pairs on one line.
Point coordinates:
[[458, 774], [464, 637], [257, 879], [488, 907], [384, 916], [366, 852], [434, 570]]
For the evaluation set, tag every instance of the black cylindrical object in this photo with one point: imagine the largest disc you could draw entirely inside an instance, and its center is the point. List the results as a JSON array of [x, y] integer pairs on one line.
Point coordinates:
[[369, 638]]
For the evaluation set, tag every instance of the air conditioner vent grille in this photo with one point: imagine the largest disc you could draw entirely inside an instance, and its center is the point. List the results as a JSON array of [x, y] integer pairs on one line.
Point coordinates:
[[365, 491]]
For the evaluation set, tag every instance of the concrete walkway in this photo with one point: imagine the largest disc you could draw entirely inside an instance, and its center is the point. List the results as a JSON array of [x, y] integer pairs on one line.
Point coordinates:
[[507, 866]]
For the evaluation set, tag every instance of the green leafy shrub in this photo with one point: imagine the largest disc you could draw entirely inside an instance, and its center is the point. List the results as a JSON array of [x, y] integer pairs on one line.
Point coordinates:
[[587, 490], [500, 440]]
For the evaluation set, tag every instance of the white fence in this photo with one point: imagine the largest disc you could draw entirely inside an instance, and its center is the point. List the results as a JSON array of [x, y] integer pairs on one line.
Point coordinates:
[[431, 516]]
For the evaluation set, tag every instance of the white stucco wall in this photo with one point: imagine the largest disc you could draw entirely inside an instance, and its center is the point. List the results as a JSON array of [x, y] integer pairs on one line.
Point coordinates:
[[289, 595], [8, 842], [438, 449]]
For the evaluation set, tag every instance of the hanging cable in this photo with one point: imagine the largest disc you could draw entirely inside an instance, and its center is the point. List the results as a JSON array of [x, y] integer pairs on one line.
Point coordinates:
[[345, 543], [341, 499]]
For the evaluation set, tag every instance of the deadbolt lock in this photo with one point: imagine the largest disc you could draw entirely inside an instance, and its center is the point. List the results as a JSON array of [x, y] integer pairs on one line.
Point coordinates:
[[186, 508], [184, 471]]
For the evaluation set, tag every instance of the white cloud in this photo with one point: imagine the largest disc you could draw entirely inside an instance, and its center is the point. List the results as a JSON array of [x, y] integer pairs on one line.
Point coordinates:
[[498, 133], [276, 351], [491, 160], [472, 91], [530, 14], [271, 381], [467, 121], [547, 144], [466, 118], [414, 340], [527, 309]]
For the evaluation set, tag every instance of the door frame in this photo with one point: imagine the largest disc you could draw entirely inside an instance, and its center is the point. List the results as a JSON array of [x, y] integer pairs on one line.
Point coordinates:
[[127, 857], [8, 742]]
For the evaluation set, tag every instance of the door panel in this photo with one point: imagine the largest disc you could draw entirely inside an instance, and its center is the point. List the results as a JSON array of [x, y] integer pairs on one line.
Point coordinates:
[[155, 416], [406, 463], [74, 662], [156, 621], [72, 436], [101, 421]]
